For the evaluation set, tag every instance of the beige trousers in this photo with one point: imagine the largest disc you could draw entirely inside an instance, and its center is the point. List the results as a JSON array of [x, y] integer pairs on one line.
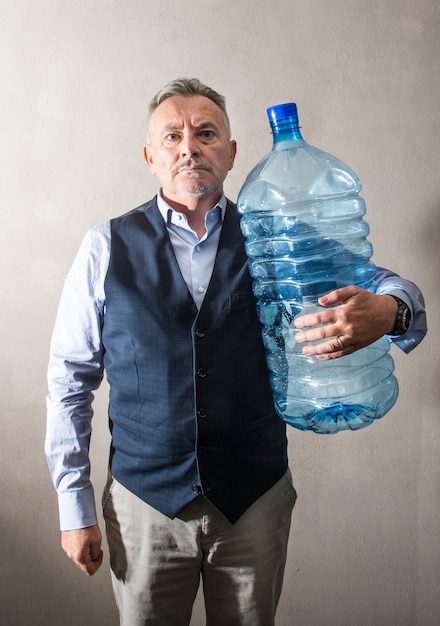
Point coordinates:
[[157, 562]]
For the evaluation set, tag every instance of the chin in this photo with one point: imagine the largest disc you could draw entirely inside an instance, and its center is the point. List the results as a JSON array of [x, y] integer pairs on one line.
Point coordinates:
[[198, 191]]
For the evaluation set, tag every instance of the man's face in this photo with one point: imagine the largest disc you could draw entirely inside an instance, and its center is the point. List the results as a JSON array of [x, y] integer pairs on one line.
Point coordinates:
[[189, 150]]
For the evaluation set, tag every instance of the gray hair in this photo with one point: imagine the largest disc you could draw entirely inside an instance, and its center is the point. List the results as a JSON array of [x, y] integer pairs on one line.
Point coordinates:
[[189, 87]]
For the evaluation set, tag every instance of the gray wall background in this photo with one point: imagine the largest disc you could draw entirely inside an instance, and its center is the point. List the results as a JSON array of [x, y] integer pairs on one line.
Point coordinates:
[[76, 78]]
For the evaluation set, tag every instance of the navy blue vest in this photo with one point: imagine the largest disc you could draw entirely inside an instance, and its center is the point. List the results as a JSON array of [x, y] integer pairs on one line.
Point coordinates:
[[191, 408]]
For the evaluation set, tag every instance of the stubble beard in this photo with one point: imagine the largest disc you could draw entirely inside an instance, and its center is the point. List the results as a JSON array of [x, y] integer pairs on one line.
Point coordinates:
[[191, 188], [199, 191]]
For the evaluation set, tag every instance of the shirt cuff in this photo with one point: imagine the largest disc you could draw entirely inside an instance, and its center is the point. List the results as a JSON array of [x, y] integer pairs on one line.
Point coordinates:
[[412, 337], [77, 509]]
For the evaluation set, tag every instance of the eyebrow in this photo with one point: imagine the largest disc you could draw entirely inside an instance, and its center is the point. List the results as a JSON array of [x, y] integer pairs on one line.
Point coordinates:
[[170, 127], [204, 125], [201, 126]]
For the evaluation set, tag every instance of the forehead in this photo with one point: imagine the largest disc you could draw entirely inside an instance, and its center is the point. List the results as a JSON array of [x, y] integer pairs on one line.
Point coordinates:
[[178, 111]]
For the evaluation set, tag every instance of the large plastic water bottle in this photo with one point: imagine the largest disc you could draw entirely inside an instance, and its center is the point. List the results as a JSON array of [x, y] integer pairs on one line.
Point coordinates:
[[305, 236]]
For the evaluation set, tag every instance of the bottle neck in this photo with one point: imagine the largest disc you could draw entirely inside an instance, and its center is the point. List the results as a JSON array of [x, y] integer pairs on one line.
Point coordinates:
[[286, 129]]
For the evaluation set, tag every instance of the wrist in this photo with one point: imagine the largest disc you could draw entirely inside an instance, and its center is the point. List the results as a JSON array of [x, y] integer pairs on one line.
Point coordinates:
[[403, 318]]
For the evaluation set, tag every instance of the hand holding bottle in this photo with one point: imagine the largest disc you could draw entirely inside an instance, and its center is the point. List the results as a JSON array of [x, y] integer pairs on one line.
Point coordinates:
[[358, 317]]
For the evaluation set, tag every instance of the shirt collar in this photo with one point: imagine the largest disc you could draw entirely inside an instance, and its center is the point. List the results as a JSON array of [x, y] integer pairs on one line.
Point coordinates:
[[171, 216]]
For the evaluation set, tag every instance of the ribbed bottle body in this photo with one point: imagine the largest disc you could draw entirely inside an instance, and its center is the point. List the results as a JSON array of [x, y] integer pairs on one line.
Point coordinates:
[[303, 220]]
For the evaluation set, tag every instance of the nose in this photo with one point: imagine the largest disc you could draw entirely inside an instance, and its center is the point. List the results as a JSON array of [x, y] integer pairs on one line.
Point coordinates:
[[189, 146]]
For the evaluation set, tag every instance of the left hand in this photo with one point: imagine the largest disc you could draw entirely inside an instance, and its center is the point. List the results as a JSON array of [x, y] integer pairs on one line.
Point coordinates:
[[360, 319]]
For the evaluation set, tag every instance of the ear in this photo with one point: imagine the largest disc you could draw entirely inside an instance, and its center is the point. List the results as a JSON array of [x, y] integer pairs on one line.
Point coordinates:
[[148, 156], [233, 152]]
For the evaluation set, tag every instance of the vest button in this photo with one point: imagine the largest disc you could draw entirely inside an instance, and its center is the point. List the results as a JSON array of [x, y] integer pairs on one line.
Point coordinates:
[[200, 332], [202, 413], [201, 373], [196, 489]]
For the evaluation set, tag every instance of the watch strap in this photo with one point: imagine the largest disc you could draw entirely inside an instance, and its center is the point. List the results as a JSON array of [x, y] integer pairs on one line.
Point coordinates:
[[403, 318]]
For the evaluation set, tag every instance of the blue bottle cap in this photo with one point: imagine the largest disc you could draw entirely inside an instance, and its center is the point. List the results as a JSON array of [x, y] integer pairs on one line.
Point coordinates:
[[281, 112]]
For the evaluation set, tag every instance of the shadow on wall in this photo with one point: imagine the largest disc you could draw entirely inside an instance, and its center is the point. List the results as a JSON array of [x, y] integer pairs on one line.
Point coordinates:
[[429, 235], [430, 253], [46, 589]]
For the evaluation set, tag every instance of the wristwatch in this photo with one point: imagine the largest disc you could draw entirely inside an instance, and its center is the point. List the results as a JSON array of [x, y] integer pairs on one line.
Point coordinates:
[[403, 319]]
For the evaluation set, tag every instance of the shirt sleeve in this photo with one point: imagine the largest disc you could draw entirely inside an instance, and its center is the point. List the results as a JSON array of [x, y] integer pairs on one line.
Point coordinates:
[[392, 284], [75, 370]]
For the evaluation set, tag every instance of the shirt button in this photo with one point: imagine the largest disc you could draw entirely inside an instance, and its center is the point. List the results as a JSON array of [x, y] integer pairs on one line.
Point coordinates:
[[197, 248], [200, 289]]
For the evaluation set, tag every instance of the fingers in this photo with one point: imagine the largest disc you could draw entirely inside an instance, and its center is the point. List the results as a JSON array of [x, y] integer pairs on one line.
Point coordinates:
[[325, 331], [92, 566], [334, 348], [312, 320]]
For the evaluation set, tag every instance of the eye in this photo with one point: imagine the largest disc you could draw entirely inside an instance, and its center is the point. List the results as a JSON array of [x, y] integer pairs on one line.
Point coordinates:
[[172, 137], [207, 135]]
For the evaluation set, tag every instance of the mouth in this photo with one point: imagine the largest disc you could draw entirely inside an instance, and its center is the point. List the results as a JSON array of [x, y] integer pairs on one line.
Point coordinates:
[[192, 168], [193, 172]]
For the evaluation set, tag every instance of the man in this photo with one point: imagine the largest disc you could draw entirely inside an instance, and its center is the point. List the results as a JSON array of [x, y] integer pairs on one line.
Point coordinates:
[[161, 299]]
